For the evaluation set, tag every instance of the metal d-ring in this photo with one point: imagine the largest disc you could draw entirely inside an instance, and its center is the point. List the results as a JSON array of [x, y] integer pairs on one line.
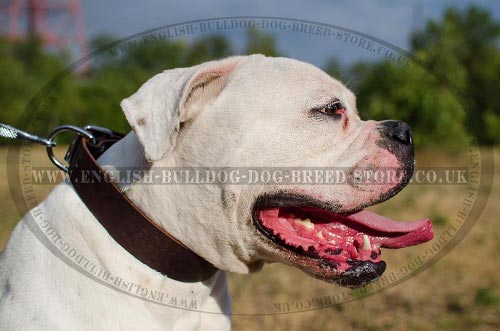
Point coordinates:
[[58, 130]]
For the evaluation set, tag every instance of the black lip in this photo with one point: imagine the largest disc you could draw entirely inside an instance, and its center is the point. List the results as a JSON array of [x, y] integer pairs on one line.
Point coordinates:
[[286, 199], [361, 273]]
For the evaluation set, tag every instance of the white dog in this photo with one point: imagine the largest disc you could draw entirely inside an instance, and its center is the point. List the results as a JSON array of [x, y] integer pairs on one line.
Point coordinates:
[[245, 111]]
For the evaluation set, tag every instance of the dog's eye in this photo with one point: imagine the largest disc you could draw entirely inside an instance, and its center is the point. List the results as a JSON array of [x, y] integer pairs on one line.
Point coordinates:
[[335, 108]]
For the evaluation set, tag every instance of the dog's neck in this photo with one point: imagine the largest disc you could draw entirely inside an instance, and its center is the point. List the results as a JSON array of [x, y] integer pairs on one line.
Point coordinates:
[[77, 227], [145, 238], [125, 156], [185, 221]]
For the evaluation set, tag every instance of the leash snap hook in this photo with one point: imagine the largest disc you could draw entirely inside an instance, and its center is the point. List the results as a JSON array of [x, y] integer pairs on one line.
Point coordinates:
[[81, 132]]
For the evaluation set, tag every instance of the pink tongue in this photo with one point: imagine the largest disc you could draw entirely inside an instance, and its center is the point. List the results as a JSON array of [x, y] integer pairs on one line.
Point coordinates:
[[412, 233], [384, 224]]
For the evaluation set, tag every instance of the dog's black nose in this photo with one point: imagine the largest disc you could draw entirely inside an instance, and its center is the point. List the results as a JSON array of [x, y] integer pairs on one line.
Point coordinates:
[[397, 131]]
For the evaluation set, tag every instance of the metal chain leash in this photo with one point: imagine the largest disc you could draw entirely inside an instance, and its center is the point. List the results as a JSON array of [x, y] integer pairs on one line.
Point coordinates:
[[10, 132]]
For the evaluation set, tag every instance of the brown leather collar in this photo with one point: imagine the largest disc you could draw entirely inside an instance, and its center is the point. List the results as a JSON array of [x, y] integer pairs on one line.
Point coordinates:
[[126, 224]]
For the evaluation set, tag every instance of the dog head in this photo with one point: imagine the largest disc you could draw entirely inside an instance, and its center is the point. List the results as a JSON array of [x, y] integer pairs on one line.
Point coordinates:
[[274, 115]]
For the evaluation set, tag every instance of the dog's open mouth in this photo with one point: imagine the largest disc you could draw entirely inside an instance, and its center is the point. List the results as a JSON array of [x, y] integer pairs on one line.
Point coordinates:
[[344, 245]]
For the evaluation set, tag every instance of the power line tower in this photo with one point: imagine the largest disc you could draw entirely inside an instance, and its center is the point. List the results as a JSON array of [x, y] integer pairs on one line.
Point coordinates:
[[59, 23]]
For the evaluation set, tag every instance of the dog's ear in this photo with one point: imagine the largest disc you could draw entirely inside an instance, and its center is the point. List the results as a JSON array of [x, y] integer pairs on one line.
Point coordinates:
[[157, 109]]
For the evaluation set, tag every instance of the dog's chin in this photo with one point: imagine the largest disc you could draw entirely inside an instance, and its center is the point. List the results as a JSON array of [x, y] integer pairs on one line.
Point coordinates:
[[329, 243]]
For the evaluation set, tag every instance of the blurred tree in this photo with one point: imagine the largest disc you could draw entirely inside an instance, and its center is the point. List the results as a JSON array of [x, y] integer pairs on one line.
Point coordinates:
[[469, 38], [114, 78], [208, 48], [259, 42], [458, 51], [389, 92], [334, 68], [27, 69]]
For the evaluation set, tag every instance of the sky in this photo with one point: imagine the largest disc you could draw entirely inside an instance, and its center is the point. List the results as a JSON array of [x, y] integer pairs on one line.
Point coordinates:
[[389, 20]]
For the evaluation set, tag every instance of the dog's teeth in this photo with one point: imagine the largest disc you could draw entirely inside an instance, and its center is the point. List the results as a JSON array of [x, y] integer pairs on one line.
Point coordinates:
[[366, 243], [309, 224], [306, 223]]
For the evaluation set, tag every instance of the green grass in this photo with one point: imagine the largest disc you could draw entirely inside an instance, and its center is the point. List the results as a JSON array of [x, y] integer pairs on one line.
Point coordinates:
[[486, 297]]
